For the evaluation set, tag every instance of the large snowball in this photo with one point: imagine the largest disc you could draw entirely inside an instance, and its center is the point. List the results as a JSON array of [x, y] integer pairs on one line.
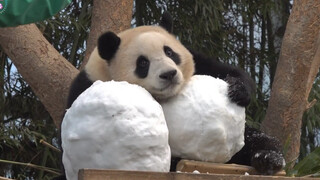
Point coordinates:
[[203, 124], [115, 125]]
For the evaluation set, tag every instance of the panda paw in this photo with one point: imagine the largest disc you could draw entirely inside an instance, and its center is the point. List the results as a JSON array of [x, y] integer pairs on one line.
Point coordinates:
[[267, 162], [238, 92]]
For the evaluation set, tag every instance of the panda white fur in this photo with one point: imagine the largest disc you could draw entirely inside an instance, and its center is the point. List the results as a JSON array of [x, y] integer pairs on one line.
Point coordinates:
[[150, 56]]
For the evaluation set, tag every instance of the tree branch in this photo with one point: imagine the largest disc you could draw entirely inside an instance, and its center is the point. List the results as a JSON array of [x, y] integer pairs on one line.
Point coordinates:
[[45, 70]]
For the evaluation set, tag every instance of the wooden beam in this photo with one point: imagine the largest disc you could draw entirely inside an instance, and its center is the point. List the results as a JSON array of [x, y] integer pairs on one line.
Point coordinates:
[[218, 168], [94, 174]]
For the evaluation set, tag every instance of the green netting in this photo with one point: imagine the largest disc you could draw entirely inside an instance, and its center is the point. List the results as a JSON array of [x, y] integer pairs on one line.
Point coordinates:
[[17, 12]]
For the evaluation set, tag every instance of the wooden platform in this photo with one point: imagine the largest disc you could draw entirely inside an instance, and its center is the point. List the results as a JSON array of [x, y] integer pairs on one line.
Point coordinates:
[[204, 171], [93, 174]]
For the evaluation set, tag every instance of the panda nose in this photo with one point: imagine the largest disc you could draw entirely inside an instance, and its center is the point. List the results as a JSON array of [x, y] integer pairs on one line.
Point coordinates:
[[169, 75]]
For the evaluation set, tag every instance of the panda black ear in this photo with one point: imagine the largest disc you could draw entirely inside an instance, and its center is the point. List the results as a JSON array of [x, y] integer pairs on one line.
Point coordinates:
[[108, 44], [166, 22]]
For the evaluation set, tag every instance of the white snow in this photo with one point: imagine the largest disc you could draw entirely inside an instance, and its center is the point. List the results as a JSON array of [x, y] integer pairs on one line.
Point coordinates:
[[115, 125], [203, 123], [196, 172], [257, 155]]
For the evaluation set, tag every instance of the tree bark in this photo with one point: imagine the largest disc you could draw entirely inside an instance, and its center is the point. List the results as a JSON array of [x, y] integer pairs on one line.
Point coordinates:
[[296, 70], [107, 15], [45, 70]]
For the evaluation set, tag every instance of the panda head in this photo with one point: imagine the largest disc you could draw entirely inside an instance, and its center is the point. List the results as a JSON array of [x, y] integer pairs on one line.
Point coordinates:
[[148, 56]]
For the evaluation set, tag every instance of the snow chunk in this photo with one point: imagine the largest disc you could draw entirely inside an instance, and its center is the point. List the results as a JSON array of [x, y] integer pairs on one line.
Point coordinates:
[[115, 125], [203, 123], [196, 172]]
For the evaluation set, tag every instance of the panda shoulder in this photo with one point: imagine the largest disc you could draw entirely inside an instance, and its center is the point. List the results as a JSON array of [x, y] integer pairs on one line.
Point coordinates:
[[79, 84]]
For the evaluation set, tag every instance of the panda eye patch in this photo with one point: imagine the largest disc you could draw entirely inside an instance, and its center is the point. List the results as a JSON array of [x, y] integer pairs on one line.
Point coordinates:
[[142, 62], [171, 54], [168, 51], [142, 67]]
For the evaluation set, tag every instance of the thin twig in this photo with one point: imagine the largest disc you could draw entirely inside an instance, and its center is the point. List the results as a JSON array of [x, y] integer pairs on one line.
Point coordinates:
[[311, 104]]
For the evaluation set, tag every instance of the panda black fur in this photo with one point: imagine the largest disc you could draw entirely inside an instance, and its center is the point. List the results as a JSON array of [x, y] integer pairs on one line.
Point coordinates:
[[113, 55]]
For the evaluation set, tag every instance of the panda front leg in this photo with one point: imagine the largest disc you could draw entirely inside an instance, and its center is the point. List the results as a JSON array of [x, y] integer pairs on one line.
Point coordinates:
[[241, 86], [261, 151]]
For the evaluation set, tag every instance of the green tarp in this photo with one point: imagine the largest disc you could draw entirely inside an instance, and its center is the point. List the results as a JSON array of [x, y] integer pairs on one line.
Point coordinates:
[[17, 12]]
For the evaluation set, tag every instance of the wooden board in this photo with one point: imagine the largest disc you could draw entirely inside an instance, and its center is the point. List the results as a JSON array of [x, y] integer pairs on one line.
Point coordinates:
[[94, 174], [218, 168]]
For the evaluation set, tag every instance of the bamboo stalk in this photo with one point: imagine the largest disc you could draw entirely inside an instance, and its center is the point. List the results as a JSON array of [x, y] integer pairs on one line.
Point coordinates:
[[3, 178], [50, 170], [49, 146]]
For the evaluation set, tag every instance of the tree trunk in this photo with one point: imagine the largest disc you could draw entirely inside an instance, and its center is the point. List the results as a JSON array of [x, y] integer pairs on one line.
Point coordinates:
[[262, 57], [107, 15], [297, 68], [276, 22], [44, 69], [252, 52]]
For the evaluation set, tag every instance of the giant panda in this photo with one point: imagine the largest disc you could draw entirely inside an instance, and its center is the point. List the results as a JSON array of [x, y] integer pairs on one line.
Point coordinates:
[[147, 56], [150, 56]]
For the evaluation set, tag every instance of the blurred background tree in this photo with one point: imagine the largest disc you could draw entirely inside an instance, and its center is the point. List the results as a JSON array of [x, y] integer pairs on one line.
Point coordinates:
[[244, 33]]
